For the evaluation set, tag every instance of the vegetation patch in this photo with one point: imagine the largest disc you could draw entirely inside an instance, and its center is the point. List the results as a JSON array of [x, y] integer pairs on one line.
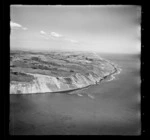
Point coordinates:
[[58, 64], [21, 77]]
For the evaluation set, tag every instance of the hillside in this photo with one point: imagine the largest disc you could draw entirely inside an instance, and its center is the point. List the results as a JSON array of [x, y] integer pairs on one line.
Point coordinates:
[[34, 72]]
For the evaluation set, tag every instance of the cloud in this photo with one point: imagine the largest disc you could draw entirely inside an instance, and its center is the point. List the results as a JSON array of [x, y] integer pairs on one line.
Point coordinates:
[[71, 40], [42, 32], [24, 28], [54, 34], [57, 36], [14, 25]]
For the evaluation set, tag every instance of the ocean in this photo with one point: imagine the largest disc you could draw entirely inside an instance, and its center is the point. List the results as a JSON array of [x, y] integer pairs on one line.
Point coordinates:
[[109, 108]]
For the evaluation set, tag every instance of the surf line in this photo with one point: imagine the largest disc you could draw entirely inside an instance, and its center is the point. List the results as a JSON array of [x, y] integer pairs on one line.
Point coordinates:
[[89, 95], [116, 71]]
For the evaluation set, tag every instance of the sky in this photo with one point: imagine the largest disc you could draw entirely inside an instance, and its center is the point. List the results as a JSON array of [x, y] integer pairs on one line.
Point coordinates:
[[108, 29]]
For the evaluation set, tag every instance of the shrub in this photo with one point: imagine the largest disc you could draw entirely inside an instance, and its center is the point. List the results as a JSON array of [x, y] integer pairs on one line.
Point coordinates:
[[36, 58], [21, 77], [71, 70]]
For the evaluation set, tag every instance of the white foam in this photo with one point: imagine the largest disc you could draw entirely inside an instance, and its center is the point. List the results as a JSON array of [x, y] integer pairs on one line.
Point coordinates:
[[112, 78], [90, 96], [79, 95]]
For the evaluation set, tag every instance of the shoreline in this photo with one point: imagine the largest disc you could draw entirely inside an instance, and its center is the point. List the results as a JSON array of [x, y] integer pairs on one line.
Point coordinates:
[[116, 70]]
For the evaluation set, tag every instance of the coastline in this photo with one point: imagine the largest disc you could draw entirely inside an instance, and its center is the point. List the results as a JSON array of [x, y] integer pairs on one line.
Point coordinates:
[[116, 103], [116, 71]]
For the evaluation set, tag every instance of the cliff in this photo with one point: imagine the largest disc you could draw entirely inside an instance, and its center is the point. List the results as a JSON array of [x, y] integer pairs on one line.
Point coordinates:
[[44, 83], [76, 74]]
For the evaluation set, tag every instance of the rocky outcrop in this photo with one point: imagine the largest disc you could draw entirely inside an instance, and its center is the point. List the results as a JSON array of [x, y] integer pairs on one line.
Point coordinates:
[[45, 83]]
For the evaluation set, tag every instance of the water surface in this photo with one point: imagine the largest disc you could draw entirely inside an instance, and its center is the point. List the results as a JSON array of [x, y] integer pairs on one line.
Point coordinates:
[[110, 108]]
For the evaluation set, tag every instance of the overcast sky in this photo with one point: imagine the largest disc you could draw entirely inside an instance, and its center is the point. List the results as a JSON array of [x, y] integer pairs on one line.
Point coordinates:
[[110, 29]]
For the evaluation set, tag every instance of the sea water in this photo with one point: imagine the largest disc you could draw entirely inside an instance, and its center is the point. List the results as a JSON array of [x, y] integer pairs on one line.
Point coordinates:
[[109, 108]]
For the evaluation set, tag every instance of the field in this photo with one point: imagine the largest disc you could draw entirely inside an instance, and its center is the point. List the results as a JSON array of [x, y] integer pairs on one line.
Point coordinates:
[[57, 64]]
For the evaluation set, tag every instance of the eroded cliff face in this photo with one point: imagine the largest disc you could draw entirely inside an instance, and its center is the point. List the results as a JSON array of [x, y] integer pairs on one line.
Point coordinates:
[[55, 72], [44, 83]]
